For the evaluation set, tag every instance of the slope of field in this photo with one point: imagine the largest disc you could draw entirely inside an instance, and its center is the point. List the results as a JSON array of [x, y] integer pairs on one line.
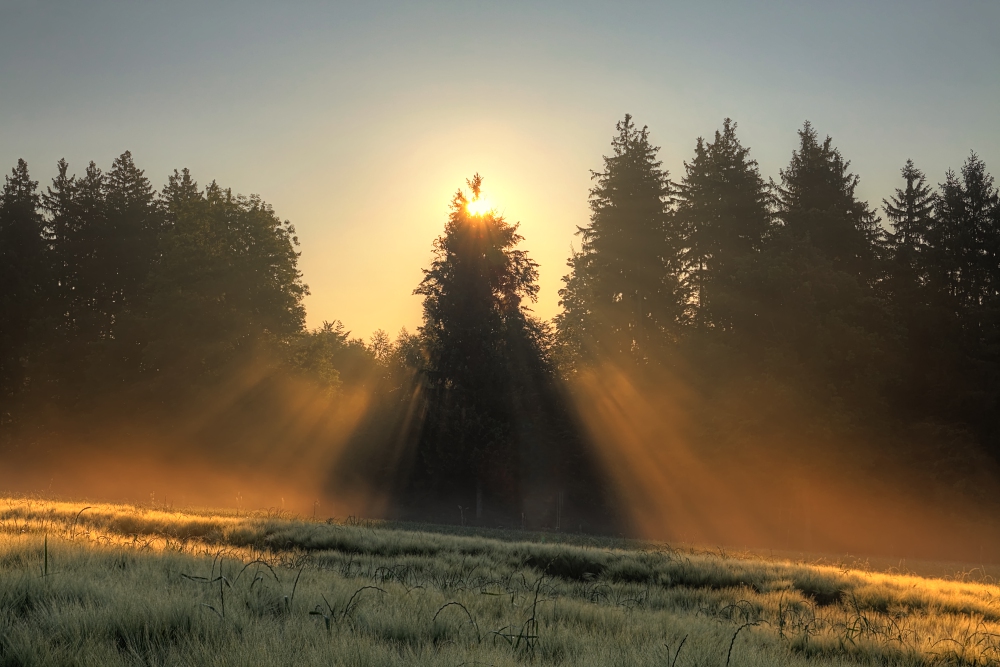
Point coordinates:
[[129, 585]]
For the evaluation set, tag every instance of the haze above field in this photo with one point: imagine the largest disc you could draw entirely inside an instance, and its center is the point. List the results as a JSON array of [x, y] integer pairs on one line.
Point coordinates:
[[357, 121]]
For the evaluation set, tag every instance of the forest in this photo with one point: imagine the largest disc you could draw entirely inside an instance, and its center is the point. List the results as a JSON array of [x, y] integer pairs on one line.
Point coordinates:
[[725, 340]]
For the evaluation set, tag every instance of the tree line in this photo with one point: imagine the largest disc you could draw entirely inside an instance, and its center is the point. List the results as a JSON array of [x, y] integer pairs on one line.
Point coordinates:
[[887, 319], [891, 319], [122, 301]]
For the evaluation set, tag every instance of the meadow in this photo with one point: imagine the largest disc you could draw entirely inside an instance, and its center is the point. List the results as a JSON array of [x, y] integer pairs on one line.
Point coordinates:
[[100, 584]]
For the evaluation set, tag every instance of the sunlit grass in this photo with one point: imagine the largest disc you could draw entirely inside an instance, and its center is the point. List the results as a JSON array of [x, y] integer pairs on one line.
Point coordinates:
[[130, 585]]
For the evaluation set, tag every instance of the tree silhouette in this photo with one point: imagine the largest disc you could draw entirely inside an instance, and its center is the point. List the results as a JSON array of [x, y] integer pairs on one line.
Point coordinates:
[[226, 283], [23, 280], [808, 300], [817, 207], [477, 330], [724, 212], [624, 296]]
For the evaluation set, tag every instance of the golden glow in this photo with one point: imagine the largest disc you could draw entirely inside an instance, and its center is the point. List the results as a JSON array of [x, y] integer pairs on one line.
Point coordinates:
[[284, 464], [780, 493], [479, 206]]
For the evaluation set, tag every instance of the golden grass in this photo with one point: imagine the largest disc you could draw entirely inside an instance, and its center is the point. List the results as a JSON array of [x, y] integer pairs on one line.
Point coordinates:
[[100, 584]]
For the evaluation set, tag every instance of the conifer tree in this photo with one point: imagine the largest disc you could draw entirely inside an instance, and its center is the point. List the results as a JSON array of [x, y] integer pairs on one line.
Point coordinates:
[[965, 238], [963, 266], [810, 296], [624, 296], [64, 231], [724, 211], [481, 343], [23, 280], [104, 235], [817, 207], [80, 239], [911, 213], [134, 223], [948, 238], [226, 282]]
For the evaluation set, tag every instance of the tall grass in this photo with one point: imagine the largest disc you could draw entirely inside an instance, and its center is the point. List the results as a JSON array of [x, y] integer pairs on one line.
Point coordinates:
[[127, 585]]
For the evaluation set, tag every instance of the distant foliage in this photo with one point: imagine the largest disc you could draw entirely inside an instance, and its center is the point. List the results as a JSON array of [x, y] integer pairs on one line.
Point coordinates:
[[116, 293], [754, 292], [23, 281], [625, 295], [226, 281], [725, 217], [795, 284], [492, 420]]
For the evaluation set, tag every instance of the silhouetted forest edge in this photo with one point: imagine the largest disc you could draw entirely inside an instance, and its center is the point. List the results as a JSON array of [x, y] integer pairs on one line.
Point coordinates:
[[738, 360]]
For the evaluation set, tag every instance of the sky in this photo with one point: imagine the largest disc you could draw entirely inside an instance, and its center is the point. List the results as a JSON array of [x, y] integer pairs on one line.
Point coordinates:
[[357, 121]]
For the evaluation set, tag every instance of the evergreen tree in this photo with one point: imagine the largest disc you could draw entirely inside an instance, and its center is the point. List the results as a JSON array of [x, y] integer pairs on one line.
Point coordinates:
[[226, 283], [23, 280], [104, 233], [965, 238], [476, 328], [624, 296], [910, 212], [80, 238], [909, 294], [963, 250], [810, 299], [65, 230], [948, 238], [817, 206], [724, 211], [93, 316], [134, 223]]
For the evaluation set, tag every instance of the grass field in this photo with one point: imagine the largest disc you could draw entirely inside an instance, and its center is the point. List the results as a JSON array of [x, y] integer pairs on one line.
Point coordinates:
[[132, 585]]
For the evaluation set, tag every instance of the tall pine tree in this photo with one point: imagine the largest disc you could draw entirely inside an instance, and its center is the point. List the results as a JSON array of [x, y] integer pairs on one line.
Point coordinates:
[[478, 332], [724, 211], [965, 238], [910, 212], [811, 294], [624, 296], [226, 283], [23, 281], [817, 206]]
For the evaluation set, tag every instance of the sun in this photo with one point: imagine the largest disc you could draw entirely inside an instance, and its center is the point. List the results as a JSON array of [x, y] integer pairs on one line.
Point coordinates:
[[479, 206]]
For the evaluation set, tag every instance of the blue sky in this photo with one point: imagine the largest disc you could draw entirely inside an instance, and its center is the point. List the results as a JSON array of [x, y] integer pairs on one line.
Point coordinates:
[[357, 121]]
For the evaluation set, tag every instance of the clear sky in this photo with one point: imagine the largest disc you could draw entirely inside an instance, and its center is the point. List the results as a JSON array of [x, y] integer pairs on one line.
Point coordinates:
[[358, 120]]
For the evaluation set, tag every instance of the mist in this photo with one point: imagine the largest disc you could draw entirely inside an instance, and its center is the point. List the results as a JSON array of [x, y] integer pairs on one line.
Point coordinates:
[[738, 362]]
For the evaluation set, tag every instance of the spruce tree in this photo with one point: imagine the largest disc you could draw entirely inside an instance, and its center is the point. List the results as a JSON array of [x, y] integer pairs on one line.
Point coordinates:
[[910, 212], [965, 238], [810, 301], [724, 211], [64, 231], [225, 286], [624, 297], [817, 207], [134, 223], [23, 281], [80, 238], [964, 288], [479, 336], [909, 295]]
